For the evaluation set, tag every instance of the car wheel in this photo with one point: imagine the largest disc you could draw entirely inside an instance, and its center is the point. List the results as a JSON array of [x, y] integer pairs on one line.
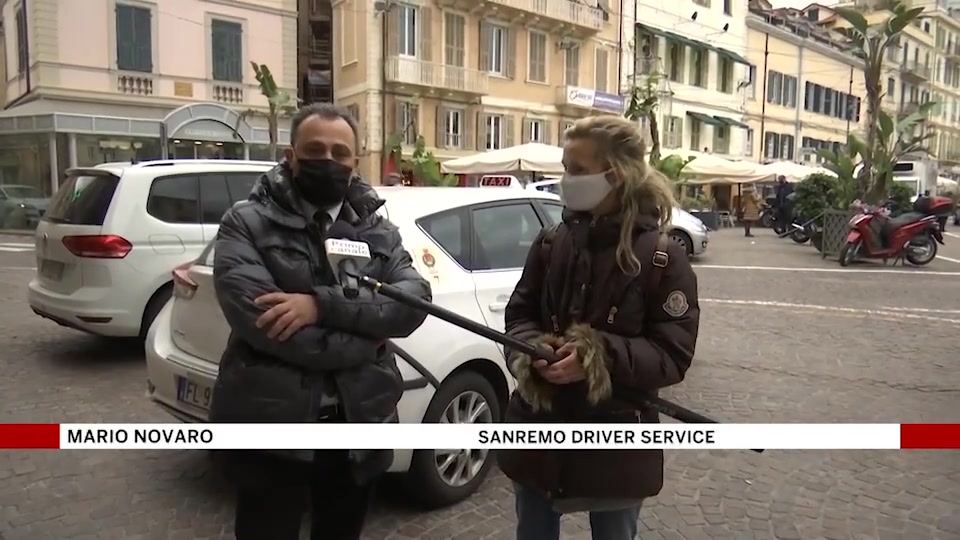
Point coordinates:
[[156, 303], [441, 477], [683, 240]]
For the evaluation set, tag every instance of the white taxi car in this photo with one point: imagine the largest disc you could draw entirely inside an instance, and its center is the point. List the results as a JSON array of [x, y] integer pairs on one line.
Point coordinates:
[[471, 243]]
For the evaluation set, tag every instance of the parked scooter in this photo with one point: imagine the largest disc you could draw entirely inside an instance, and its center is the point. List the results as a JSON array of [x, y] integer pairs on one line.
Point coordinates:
[[912, 236]]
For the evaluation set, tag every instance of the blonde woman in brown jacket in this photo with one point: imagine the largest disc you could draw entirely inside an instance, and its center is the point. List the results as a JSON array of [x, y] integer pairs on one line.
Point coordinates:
[[750, 204]]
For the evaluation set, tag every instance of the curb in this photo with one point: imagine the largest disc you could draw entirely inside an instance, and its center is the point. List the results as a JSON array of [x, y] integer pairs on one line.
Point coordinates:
[[17, 232]]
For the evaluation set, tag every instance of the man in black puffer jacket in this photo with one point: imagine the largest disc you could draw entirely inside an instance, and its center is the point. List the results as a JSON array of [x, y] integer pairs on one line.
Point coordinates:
[[300, 350]]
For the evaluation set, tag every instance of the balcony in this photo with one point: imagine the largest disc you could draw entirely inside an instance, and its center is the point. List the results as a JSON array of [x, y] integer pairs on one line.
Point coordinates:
[[952, 50], [910, 107], [577, 98], [915, 70], [227, 92], [436, 78], [135, 84], [553, 16]]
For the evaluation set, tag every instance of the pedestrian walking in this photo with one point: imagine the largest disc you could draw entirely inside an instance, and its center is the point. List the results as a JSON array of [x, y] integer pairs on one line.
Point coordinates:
[[301, 350], [750, 203], [617, 301]]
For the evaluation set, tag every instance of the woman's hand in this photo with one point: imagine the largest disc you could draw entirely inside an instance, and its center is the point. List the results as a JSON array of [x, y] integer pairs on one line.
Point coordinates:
[[567, 370]]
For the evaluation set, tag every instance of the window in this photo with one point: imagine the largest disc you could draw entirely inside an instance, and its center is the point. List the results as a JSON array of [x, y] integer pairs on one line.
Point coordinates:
[[830, 102], [535, 130], [891, 89], [704, 3], [23, 58], [537, 62], [227, 47], [407, 28], [503, 236], [698, 67], [752, 81], [134, 39], [673, 130], [448, 231], [450, 134], [174, 199], [721, 139], [564, 126], [728, 7], [554, 212], [748, 143], [675, 58], [571, 66], [82, 200], [495, 44], [781, 89], [454, 39], [601, 67], [695, 127], [778, 146], [215, 197], [494, 127], [408, 116], [725, 75], [240, 185]]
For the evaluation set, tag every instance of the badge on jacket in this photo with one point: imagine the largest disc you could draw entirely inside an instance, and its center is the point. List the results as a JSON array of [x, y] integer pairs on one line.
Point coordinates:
[[676, 304]]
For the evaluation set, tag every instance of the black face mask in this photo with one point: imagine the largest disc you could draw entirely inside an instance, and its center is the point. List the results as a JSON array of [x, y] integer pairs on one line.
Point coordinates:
[[322, 182]]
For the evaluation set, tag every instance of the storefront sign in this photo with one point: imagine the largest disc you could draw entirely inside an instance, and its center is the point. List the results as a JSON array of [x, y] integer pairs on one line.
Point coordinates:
[[206, 130], [590, 98]]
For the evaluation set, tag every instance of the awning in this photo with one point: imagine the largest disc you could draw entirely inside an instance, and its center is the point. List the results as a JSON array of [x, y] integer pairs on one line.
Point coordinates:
[[731, 122], [733, 56], [705, 118], [651, 30]]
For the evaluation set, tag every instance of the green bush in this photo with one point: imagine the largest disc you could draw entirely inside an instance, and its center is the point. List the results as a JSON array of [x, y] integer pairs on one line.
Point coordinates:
[[901, 194], [816, 193]]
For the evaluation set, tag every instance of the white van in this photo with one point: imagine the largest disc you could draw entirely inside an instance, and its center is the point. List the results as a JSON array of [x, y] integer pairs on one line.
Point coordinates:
[[113, 233]]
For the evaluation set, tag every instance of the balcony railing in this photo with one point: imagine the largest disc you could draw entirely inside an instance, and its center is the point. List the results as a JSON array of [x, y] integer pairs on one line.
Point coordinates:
[[413, 72], [952, 50], [565, 11], [227, 93], [915, 68], [137, 85]]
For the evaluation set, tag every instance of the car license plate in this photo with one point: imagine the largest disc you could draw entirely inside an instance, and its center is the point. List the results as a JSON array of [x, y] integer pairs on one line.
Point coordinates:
[[51, 269], [193, 393]]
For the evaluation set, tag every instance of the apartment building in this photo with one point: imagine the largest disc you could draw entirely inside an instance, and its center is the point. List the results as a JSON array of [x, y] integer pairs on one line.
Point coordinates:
[[89, 81], [696, 50], [809, 92], [924, 66], [472, 75]]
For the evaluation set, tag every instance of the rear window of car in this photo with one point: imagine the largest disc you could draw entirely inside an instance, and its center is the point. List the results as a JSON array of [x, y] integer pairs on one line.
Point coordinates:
[[82, 200]]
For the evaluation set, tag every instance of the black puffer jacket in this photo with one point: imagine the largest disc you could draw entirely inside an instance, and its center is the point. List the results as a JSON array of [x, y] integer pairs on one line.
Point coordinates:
[[266, 245]]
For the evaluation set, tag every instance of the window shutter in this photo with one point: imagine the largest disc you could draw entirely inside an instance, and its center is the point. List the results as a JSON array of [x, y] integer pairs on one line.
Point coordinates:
[[467, 131], [482, 131], [527, 130], [486, 38], [393, 32], [510, 63], [144, 39], [425, 16], [236, 52], [508, 130], [441, 120], [398, 120], [547, 132], [124, 37]]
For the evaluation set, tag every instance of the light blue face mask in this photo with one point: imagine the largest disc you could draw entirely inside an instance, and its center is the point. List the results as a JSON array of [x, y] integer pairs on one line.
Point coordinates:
[[584, 192]]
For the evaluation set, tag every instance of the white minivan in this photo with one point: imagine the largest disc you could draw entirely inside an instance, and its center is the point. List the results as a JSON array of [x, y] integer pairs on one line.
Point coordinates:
[[112, 233]]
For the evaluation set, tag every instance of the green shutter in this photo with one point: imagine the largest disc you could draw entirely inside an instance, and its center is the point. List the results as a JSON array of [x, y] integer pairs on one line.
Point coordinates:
[[134, 40], [227, 48]]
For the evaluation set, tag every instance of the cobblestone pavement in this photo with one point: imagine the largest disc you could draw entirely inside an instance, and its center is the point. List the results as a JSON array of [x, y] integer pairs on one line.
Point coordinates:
[[775, 346]]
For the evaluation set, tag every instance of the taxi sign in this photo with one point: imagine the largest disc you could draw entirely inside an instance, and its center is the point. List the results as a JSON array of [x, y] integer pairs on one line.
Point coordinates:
[[498, 181]]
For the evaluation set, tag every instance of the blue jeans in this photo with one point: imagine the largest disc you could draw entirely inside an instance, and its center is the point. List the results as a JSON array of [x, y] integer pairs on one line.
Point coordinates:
[[536, 519]]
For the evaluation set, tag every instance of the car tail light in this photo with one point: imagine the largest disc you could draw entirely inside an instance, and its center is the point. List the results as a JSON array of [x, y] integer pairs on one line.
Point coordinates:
[[98, 246], [183, 285]]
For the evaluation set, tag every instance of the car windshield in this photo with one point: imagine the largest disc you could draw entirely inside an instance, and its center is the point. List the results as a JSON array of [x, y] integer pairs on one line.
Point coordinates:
[[23, 192]]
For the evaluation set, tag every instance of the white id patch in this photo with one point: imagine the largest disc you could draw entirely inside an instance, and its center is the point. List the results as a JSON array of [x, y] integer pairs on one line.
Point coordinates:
[[676, 305]]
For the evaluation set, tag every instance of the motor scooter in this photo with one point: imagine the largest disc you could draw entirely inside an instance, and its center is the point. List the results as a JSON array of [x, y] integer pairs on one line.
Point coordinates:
[[912, 236]]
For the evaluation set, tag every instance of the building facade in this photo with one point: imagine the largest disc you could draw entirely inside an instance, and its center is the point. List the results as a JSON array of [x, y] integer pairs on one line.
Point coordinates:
[[809, 92], [694, 51], [472, 75], [91, 81]]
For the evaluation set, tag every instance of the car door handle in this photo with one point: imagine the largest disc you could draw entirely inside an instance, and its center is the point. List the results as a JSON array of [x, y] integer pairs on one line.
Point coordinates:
[[497, 307]]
